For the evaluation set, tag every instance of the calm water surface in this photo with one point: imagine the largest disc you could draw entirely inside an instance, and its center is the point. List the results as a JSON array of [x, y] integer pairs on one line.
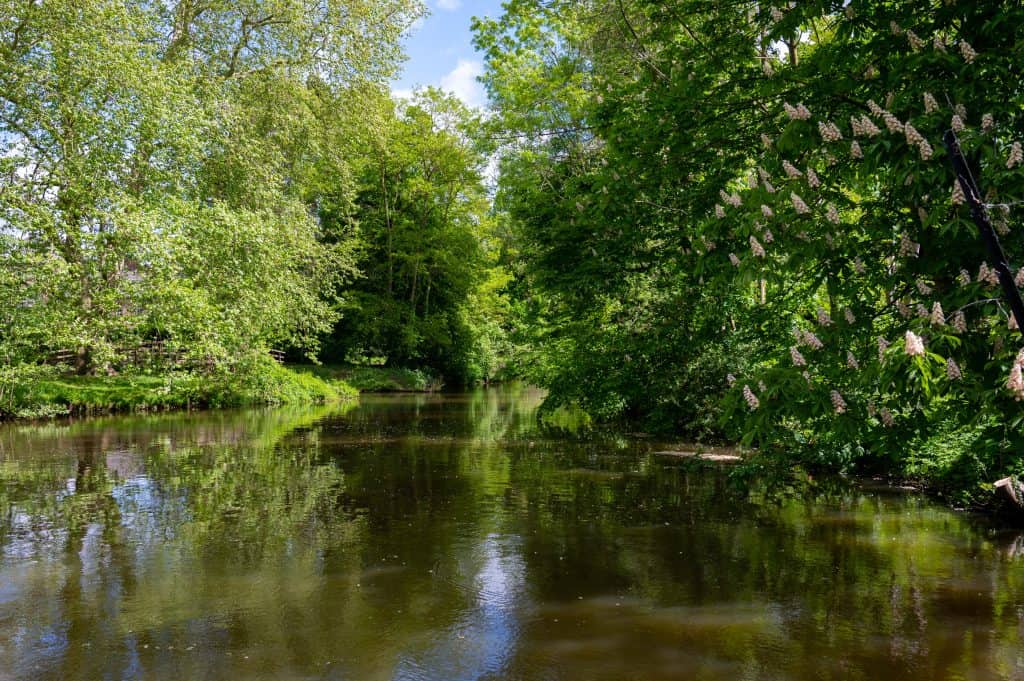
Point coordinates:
[[451, 537]]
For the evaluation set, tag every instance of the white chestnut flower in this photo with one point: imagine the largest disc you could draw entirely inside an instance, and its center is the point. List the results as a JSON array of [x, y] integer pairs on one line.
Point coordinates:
[[812, 179], [959, 322], [856, 126], [829, 131], [958, 197], [838, 403], [719, 211], [756, 248], [883, 345], [798, 359], [891, 122], [798, 204], [869, 127], [887, 420], [938, 317], [751, 398], [855, 150], [792, 172], [851, 360], [908, 247], [812, 341], [953, 370], [930, 105], [1015, 383], [967, 52], [988, 275], [832, 214], [913, 136], [914, 345], [1016, 155]]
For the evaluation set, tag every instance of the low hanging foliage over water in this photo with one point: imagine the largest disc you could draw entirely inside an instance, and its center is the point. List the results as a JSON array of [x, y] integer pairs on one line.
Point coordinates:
[[742, 220]]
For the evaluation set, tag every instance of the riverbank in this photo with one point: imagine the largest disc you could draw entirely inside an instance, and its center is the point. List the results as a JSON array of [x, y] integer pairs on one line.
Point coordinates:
[[44, 395], [376, 379]]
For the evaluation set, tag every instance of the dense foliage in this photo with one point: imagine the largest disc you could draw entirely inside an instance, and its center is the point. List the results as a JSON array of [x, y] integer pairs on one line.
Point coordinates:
[[740, 218], [194, 183], [426, 252]]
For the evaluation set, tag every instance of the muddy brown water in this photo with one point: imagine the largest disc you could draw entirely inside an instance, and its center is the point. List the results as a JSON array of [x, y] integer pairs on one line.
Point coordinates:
[[452, 537]]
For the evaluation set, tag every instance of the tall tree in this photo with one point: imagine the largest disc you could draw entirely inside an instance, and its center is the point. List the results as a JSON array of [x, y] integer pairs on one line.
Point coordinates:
[[163, 169], [423, 220], [761, 188]]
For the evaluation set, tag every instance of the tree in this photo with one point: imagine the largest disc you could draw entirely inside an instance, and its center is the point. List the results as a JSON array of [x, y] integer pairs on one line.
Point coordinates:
[[780, 169], [423, 222], [163, 170]]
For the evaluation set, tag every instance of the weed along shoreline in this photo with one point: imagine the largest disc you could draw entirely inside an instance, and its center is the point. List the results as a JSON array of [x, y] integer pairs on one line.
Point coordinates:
[[49, 395]]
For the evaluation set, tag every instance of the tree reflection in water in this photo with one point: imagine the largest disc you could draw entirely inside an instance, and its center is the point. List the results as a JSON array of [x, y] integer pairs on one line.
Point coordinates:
[[452, 537]]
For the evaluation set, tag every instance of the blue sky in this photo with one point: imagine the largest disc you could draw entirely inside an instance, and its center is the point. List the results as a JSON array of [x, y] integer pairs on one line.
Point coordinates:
[[440, 50]]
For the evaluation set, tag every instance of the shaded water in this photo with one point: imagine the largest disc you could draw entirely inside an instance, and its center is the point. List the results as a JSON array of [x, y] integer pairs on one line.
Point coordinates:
[[450, 537]]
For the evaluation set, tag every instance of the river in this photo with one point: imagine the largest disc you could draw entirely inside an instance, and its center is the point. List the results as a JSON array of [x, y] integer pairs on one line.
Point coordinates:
[[452, 537]]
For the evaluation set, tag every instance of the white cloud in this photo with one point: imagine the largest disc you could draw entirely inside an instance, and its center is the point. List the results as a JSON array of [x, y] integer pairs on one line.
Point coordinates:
[[401, 93], [462, 82], [449, 5]]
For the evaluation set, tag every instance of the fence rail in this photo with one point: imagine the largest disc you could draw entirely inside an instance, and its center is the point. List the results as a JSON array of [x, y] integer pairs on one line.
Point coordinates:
[[150, 354]]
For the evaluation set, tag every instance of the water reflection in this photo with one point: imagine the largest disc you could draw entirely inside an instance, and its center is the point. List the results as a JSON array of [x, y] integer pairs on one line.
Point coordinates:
[[451, 537]]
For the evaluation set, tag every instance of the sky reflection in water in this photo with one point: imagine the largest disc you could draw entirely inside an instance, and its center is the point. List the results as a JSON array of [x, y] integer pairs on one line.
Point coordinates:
[[451, 537]]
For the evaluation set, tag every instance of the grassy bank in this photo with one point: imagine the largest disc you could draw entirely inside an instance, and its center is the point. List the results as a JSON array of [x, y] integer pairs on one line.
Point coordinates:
[[374, 379], [41, 394]]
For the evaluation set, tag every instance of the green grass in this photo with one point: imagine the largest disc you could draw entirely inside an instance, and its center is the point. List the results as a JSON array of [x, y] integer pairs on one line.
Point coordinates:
[[265, 382], [38, 394], [371, 379]]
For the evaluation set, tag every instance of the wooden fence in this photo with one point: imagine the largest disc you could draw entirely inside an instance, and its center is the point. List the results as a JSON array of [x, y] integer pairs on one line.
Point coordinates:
[[149, 355]]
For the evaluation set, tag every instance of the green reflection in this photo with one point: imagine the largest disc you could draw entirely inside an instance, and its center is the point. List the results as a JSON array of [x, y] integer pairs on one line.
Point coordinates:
[[454, 537]]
